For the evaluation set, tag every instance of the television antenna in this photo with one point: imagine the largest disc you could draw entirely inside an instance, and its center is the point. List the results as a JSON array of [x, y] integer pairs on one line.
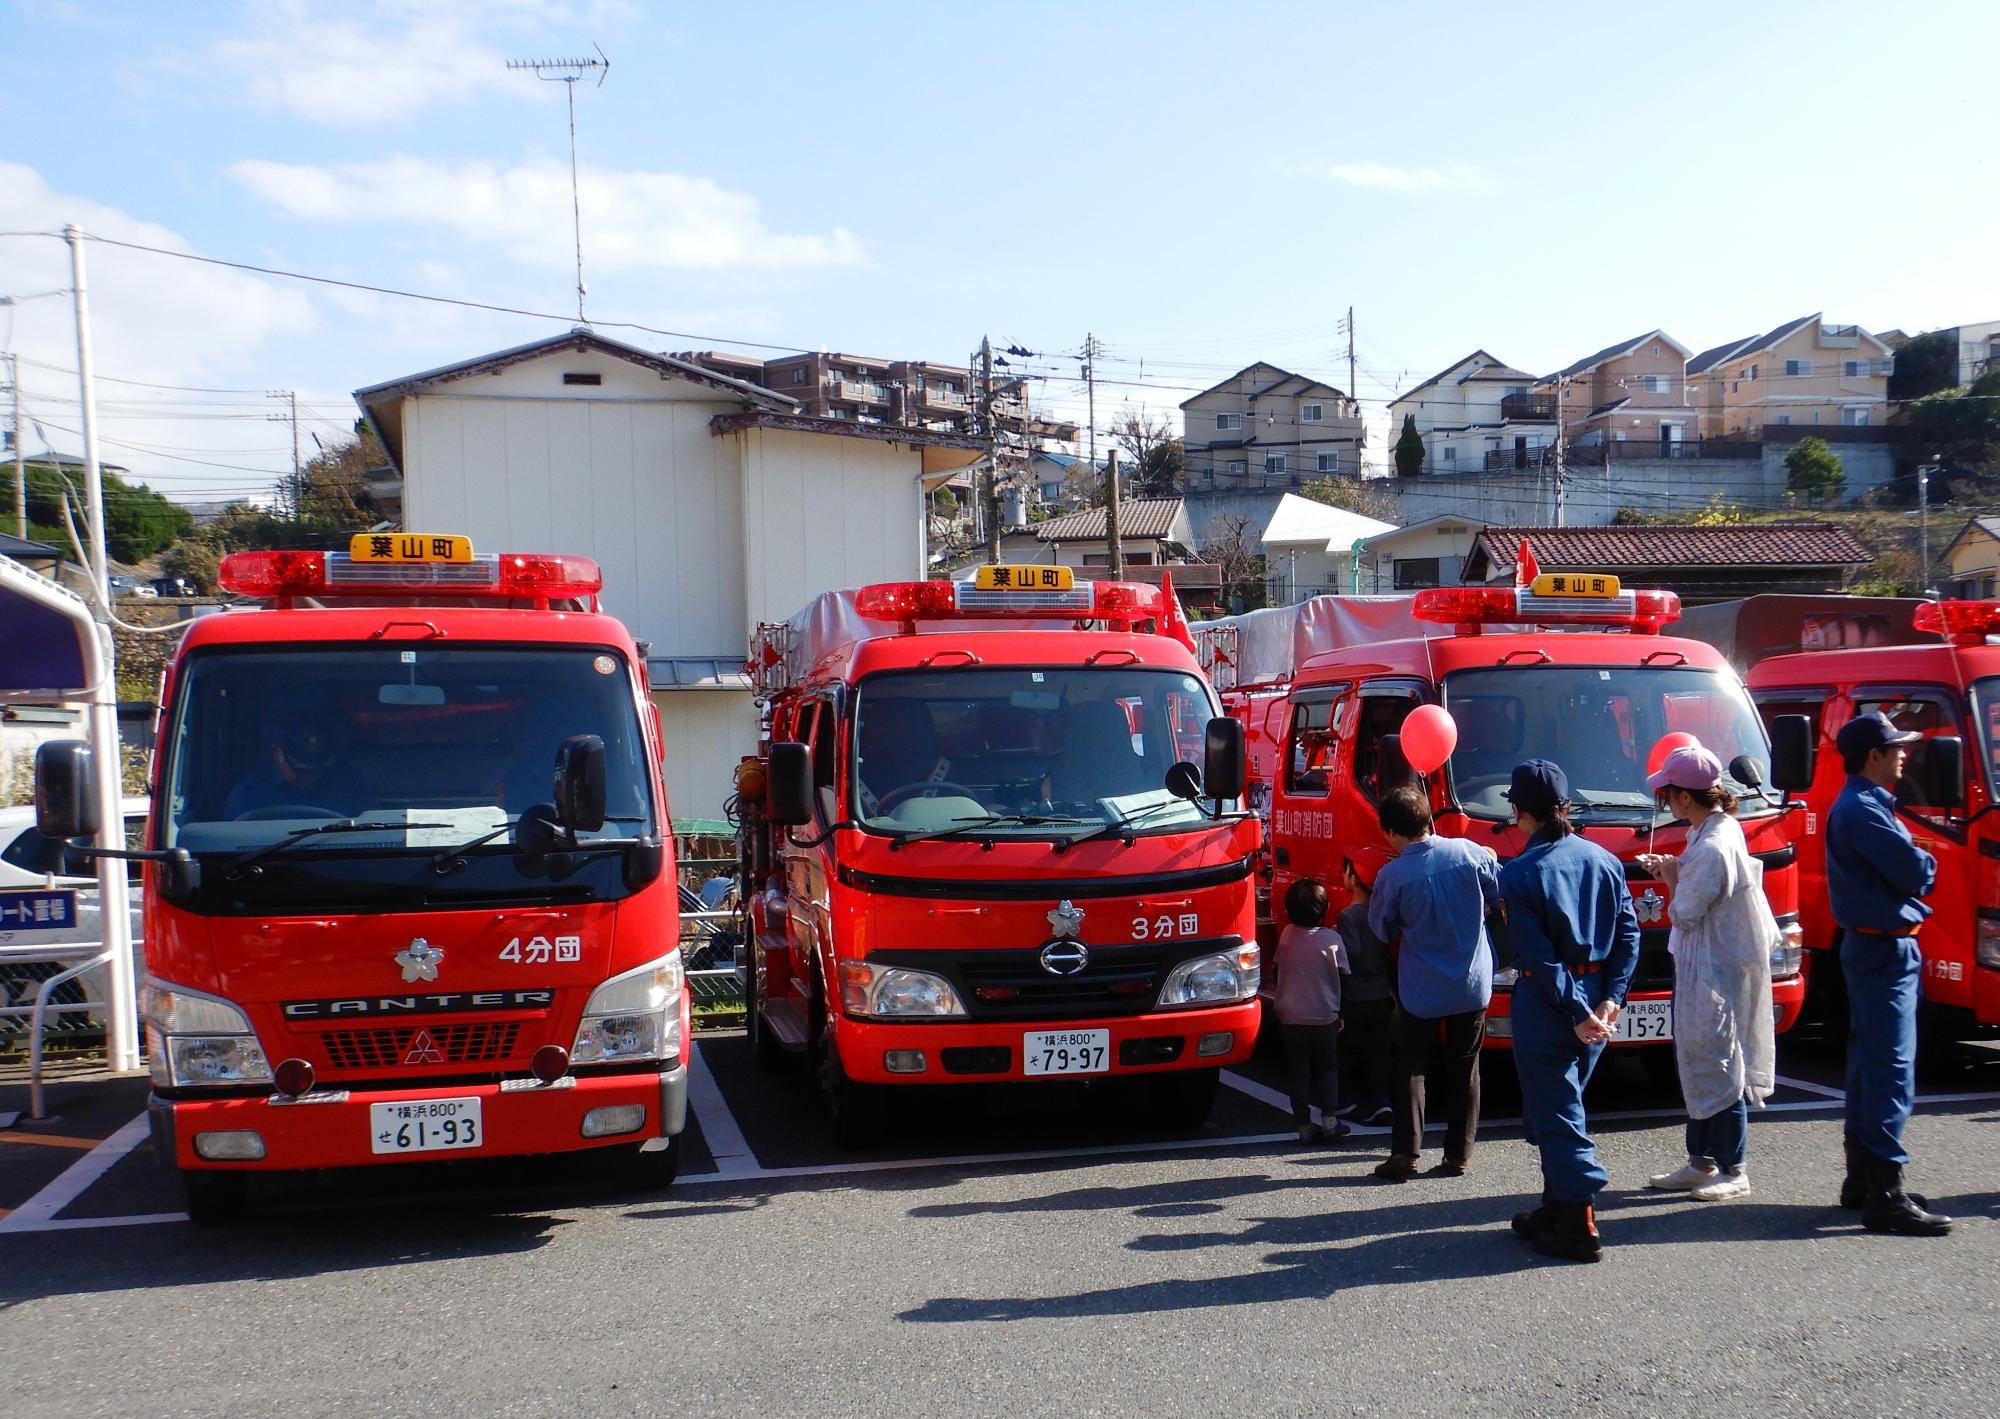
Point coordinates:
[[566, 72]]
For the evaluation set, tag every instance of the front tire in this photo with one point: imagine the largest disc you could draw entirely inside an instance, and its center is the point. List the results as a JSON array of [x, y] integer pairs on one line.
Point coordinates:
[[215, 1199], [853, 1111], [1185, 1098], [654, 1170]]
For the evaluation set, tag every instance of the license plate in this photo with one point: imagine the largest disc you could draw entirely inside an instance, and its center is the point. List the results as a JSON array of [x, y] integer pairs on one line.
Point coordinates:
[[1066, 1052], [425, 1125], [1646, 1021]]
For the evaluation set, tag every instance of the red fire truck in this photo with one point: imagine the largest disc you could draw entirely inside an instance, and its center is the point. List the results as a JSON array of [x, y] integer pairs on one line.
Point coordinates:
[[994, 836], [409, 889], [1933, 669], [1573, 669]]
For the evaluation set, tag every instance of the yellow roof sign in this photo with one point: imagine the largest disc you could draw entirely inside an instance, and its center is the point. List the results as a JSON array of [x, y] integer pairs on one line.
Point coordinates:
[[1579, 584], [379, 547], [1020, 578]]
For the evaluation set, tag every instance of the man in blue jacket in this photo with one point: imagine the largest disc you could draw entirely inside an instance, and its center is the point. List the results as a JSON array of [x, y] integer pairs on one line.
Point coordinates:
[[1876, 877], [1576, 944]]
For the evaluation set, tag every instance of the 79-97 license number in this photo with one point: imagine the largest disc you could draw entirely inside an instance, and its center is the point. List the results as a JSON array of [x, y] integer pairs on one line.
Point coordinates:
[[1066, 1052]]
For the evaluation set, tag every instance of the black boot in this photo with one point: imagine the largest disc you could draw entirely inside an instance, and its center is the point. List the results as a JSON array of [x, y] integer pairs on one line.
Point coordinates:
[[1854, 1187], [1572, 1236], [1890, 1209], [1527, 1224]]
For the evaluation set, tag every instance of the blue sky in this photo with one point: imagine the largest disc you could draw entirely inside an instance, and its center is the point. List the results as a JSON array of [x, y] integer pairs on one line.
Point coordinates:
[[1199, 185]]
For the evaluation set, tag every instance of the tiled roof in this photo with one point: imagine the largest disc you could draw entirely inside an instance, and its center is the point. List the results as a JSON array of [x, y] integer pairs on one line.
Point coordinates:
[[1137, 517], [1491, 368], [1678, 545], [1621, 348], [1707, 359]]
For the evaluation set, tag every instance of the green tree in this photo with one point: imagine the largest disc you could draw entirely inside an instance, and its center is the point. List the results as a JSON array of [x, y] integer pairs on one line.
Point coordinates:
[[1813, 470], [1961, 426], [1368, 496], [1409, 449], [1924, 365], [137, 521]]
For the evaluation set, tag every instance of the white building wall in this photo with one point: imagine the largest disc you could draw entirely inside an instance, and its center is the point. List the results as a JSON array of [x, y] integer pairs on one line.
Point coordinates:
[[705, 733]]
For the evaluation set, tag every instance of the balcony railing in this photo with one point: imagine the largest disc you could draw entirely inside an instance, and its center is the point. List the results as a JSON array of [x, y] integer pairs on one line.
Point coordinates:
[[1839, 337], [1525, 407], [943, 398], [855, 390]]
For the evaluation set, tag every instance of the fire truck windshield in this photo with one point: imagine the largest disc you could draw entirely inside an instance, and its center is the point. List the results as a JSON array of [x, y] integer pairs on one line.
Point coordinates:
[[1600, 723], [1025, 752], [403, 752]]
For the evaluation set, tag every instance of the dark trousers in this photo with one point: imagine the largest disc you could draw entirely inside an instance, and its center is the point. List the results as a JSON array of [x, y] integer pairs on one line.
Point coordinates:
[[1554, 1066], [1724, 1138], [1883, 979], [1445, 1052], [1312, 1069], [1367, 1050]]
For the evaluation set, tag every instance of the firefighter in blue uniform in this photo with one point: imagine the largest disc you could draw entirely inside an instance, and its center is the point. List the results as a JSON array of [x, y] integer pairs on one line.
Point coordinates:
[[1876, 878], [1576, 944]]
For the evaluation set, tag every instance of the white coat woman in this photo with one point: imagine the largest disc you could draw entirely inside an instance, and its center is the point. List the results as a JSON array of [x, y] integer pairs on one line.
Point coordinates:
[[1723, 936]]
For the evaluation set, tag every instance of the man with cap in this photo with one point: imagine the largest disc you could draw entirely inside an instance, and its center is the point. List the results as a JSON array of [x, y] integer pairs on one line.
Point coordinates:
[[1576, 944], [1876, 878]]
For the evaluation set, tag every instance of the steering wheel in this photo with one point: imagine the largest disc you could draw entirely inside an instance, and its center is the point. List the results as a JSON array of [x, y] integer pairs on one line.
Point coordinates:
[[929, 787], [284, 810]]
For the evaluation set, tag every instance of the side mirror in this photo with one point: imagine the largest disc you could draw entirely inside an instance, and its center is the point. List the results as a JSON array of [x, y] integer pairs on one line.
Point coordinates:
[[580, 783], [1224, 759], [1395, 771], [65, 790], [1938, 768], [1184, 781], [1747, 770], [1792, 753], [538, 833], [789, 798]]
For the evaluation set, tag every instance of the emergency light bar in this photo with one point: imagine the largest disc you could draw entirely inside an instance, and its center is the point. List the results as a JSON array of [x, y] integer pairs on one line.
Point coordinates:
[[1083, 600], [1467, 608], [1960, 622], [524, 576]]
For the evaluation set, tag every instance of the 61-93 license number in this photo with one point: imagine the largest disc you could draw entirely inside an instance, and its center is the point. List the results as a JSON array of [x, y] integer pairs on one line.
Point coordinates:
[[424, 1125], [1066, 1052]]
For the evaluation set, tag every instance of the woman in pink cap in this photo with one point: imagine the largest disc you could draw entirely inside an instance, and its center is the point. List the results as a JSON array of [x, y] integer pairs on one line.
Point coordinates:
[[1723, 936]]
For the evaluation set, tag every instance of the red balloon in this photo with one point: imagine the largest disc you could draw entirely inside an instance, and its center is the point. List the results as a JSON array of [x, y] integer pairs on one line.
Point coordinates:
[[1665, 745], [1429, 736]]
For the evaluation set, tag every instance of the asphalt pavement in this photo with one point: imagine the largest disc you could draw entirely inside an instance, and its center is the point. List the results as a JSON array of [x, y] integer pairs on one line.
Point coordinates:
[[1025, 1251]]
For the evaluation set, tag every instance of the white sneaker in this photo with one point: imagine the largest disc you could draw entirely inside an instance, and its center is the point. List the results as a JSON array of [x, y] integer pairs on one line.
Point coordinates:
[[1686, 1178], [1725, 1186]]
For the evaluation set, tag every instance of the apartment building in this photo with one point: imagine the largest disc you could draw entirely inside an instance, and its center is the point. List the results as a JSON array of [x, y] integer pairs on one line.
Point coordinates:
[[1267, 429], [1476, 414], [1631, 392], [1803, 372]]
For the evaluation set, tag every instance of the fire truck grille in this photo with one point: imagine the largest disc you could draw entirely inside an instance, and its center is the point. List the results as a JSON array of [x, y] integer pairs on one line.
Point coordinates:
[[1011, 984], [1656, 963], [396, 1046]]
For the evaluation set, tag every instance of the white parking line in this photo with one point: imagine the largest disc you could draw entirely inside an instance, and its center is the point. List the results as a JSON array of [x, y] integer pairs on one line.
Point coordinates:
[[37, 1214], [1821, 1089], [733, 1155]]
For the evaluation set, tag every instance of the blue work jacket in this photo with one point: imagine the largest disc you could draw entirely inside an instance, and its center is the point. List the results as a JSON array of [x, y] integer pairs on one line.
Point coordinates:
[[1432, 899], [1875, 872], [1568, 907]]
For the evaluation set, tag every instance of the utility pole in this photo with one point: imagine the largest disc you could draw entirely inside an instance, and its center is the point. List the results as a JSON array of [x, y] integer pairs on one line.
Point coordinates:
[[1562, 395], [1924, 526], [1352, 392], [20, 457], [1111, 539], [990, 486], [1090, 396], [298, 477], [566, 72]]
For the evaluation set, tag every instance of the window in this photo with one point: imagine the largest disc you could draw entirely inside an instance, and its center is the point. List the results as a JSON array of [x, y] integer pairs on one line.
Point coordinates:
[[1784, 418], [1415, 573], [817, 730], [582, 377], [798, 374], [1311, 413], [1329, 463], [1854, 416], [1236, 467], [1383, 709], [1798, 369], [1855, 369], [1097, 559], [1517, 391], [1654, 383], [1274, 463], [1229, 421], [1750, 373], [1929, 712], [1310, 743], [1449, 454], [1138, 559]]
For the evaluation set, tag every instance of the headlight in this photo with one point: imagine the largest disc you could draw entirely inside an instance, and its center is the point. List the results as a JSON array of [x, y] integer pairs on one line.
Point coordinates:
[[1221, 979], [870, 989], [634, 1016], [199, 1041], [1789, 954], [1504, 980], [1988, 948]]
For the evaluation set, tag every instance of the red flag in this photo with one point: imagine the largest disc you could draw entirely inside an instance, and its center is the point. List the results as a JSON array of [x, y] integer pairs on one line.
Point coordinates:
[[1173, 620], [1526, 568]]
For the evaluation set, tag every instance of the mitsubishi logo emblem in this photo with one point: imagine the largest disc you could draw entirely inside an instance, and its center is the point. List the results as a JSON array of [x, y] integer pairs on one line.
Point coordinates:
[[423, 1050], [1065, 958], [420, 960], [1066, 919]]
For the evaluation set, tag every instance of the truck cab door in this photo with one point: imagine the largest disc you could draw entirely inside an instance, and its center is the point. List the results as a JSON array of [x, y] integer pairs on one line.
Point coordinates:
[[1815, 914], [1302, 823]]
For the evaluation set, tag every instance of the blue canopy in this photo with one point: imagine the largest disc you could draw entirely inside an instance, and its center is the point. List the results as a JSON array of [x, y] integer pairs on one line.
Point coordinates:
[[48, 640]]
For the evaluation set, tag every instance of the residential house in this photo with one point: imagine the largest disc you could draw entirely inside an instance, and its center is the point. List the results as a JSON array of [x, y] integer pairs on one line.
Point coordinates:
[[1427, 553], [1803, 372], [708, 502], [1978, 349], [1265, 429], [1972, 561], [1477, 414], [1154, 536], [1631, 392], [1702, 563], [1309, 548]]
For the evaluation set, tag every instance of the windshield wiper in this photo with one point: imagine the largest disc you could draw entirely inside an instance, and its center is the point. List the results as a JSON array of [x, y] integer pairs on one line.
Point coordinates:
[[985, 820], [250, 859], [1123, 827], [455, 856]]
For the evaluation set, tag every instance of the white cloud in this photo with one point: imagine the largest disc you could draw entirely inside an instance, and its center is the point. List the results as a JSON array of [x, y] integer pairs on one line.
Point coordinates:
[[1459, 177], [631, 220]]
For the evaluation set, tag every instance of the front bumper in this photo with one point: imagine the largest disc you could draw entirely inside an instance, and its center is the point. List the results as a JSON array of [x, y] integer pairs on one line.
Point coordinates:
[[966, 1051], [329, 1128], [1788, 998]]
